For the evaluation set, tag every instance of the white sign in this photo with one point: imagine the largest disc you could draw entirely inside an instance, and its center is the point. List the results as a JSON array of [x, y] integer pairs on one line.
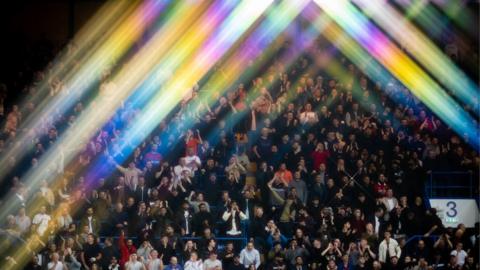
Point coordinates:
[[455, 211]]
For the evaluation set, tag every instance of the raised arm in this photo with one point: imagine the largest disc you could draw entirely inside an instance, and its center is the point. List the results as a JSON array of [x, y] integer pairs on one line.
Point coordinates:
[[275, 194]]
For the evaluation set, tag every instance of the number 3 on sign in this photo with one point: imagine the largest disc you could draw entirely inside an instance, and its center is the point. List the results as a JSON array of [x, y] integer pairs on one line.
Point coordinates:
[[452, 209]]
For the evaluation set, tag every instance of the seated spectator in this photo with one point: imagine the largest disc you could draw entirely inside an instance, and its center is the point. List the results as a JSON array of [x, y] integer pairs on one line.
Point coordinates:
[[212, 263], [194, 263], [293, 252], [249, 256], [143, 251], [134, 264], [189, 247], [173, 265], [55, 264], [236, 265], [154, 262]]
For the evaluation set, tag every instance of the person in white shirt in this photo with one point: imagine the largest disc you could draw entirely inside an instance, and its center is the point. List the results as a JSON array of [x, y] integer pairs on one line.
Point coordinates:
[[131, 174], [194, 263], [134, 264], [144, 250], [192, 161], [180, 171], [55, 264], [250, 256], [41, 220], [460, 254], [23, 221], [154, 263], [388, 247], [232, 217], [389, 201], [308, 116], [212, 263]]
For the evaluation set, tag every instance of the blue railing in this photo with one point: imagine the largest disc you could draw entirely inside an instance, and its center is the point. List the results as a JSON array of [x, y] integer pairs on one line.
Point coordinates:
[[221, 240]]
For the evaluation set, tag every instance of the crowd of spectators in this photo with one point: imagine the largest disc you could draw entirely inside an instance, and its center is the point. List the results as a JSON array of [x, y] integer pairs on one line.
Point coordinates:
[[297, 169]]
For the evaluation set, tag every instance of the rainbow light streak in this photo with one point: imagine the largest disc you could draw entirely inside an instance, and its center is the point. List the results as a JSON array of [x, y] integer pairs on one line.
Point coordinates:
[[278, 18], [131, 74], [79, 81], [429, 55], [86, 40], [266, 32], [195, 67], [350, 48], [230, 31], [91, 119], [393, 59], [181, 53]]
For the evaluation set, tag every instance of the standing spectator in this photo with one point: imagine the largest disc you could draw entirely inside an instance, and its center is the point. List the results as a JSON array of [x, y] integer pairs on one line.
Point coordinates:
[[233, 216], [300, 187], [388, 248], [130, 174], [91, 221], [41, 220], [126, 248], [459, 254], [91, 252]]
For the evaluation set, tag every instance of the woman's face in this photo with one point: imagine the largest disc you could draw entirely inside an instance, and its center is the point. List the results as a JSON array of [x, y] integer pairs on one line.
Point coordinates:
[[193, 256]]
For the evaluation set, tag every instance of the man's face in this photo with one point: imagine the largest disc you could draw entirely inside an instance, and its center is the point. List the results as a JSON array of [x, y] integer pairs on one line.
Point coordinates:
[[131, 201]]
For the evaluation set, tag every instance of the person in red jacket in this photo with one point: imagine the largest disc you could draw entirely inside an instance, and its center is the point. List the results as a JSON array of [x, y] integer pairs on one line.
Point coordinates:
[[381, 186], [319, 156], [126, 249]]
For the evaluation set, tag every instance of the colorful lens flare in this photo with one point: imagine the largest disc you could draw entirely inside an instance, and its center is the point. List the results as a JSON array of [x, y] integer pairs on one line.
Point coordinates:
[[201, 95]]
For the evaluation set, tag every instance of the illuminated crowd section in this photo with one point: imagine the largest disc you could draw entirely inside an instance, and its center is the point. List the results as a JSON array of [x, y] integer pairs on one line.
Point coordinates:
[[158, 56]]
